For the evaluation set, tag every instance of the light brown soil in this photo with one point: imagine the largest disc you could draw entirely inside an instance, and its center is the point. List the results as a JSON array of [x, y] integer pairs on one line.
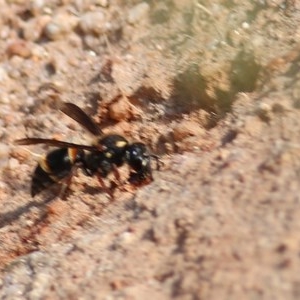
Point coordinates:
[[212, 88]]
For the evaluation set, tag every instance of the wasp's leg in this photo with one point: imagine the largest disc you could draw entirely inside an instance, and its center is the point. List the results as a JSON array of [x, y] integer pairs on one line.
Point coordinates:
[[106, 189], [66, 182]]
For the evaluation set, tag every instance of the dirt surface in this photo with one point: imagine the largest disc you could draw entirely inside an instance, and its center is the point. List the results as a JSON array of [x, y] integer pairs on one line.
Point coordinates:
[[212, 88]]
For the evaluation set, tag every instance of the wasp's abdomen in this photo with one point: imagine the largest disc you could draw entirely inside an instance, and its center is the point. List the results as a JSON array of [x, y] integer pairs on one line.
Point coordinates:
[[52, 168]]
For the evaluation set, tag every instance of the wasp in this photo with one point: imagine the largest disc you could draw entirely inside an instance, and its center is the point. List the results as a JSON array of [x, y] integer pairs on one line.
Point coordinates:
[[102, 157]]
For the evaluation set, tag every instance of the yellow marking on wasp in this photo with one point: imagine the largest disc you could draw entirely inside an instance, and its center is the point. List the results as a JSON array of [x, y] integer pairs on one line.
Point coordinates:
[[121, 144], [108, 154], [72, 153], [44, 164]]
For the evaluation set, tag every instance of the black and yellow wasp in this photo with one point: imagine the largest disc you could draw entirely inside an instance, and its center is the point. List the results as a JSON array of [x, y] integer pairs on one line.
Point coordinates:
[[102, 157]]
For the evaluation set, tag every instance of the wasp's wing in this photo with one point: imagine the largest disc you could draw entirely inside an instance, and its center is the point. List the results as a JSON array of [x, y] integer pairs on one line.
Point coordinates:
[[51, 142], [77, 114]]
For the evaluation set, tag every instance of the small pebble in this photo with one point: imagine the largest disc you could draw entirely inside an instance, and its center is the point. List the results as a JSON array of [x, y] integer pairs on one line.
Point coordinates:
[[120, 110], [53, 31], [4, 150], [19, 48], [34, 28], [3, 74], [126, 237], [103, 3], [36, 6], [264, 111], [39, 52], [60, 25], [93, 22], [281, 107], [185, 129], [245, 25], [138, 13], [13, 163], [253, 126], [223, 154]]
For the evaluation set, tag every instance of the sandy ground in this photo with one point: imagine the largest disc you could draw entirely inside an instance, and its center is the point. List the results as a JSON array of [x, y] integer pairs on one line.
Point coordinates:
[[210, 87]]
